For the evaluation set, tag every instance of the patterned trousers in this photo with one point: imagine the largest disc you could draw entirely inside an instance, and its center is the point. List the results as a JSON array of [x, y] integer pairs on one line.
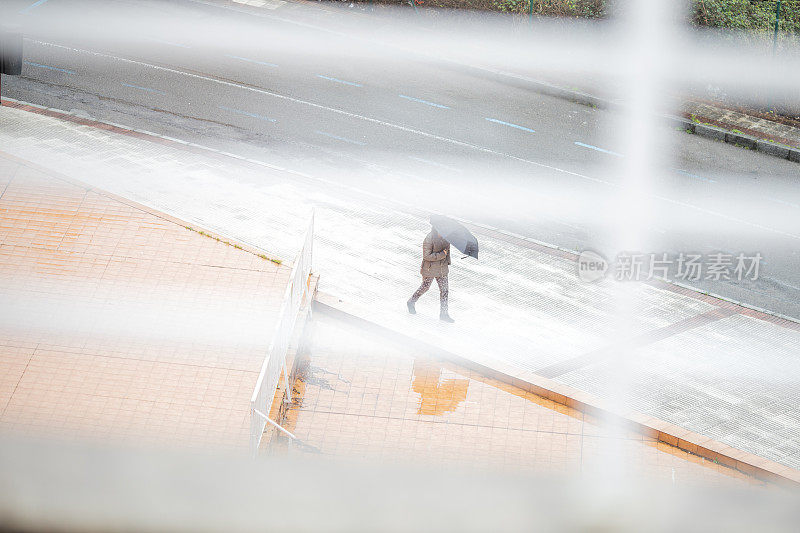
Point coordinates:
[[443, 291]]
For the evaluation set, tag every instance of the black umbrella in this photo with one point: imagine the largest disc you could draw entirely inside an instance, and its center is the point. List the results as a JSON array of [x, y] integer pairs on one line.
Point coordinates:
[[456, 234]]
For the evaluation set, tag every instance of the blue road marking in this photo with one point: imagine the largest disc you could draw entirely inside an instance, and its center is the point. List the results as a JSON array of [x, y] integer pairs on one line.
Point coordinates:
[[523, 128], [48, 67], [32, 6], [337, 80], [245, 113], [147, 89], [440, 106], [598, 149], [266, 64], [694, 176], [343, 139]]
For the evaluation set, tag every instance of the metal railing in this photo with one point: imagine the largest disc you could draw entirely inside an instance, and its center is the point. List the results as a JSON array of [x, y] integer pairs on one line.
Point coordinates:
[[264, 392]]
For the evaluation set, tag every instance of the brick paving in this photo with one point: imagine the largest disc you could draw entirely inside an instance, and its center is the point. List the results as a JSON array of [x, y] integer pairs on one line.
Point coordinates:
[[120, 323], [726, 378], [749, 124], [361, 395]]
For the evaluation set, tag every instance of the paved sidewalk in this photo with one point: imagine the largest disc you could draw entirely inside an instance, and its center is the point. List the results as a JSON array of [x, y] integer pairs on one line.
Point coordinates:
[[119, 323], [363, 395], [722, 371]]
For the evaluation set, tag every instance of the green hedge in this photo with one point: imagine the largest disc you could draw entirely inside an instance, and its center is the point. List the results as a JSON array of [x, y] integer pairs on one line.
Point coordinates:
[[752, 15], [555, 8], [756, 15]]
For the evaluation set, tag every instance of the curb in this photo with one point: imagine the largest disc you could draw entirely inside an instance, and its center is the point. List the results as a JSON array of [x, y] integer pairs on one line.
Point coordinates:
[[688, 441], [739, 139]]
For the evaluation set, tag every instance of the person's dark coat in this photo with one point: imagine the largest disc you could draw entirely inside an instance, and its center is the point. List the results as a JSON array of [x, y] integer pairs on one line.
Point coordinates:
[[434, 258]]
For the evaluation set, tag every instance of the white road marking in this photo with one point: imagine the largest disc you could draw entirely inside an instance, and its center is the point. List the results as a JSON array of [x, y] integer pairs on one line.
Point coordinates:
[[265, 63], [274, 4], [411, 130], [169, 43], [343, 139], [784, 202], [779, 282], [434, 163]]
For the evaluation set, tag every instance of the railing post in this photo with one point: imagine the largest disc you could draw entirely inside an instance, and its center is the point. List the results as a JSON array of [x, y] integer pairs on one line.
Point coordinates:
[[255, 439], [777, 21], [311, 241], [286, 381], [771, 103]]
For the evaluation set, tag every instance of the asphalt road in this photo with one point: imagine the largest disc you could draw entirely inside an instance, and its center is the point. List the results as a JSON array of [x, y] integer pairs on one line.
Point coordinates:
[[444, 137]]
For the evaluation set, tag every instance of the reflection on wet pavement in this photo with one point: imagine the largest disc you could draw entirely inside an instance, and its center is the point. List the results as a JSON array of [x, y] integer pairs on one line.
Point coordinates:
[[437, 396]]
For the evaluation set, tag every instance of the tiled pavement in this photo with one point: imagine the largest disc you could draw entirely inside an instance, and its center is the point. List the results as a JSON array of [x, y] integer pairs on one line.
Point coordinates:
[[76, 362], [119, 323], [361, 395], [728, 377]]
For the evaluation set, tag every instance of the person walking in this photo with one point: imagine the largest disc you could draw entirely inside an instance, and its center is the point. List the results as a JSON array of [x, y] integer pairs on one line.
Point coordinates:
[[435, 261]]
